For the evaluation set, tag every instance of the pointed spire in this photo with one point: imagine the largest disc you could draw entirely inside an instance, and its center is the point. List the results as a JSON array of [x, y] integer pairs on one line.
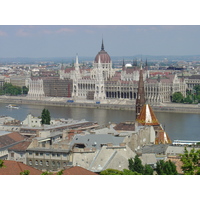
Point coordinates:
[[123, 64], [140, 101], [102, 46], [77, 59]]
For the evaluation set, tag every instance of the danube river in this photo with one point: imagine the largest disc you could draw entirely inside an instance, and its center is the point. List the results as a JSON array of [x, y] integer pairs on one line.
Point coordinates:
[[178, 125]]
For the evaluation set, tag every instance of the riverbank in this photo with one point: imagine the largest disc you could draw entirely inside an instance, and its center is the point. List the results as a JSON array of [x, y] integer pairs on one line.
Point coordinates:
[[112, 104]]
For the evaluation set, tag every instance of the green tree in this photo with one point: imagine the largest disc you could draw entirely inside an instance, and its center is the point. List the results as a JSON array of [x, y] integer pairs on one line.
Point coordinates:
[[129, 172], [111, 172], [25, 90], [10, 89], [191, 162], [188, 99], [45, 116], [1, 164], [46, 173], [60, 172], [136, 165], [148, 170], [25, 172], [166, 168], [177, 97], [118, 172]]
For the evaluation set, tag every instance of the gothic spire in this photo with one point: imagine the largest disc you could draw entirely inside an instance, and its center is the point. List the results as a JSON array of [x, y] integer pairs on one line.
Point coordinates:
[[102, 46], [140, 101], [77, 59], [123, 64]]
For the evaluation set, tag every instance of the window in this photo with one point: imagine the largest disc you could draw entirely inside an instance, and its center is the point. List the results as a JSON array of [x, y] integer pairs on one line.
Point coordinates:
[[41, 154], [37, 154], [30, 153], [12, 155], [47, 163], [53, 164], [30, 162], [47, 154], [58, 155], [36, 162], [53, 154], [64, 155], [41, 163]]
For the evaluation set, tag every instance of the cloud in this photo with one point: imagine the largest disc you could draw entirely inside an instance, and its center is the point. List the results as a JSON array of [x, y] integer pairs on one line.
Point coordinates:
[[22, 33], [58, 31], [2, 33], [65, 30]]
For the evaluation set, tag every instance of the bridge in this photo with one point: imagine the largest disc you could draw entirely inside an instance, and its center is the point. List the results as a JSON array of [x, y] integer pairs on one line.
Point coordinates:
[[185, 142]]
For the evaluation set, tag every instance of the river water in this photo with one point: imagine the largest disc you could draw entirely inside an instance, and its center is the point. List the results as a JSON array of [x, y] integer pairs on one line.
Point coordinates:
[[178, 125]]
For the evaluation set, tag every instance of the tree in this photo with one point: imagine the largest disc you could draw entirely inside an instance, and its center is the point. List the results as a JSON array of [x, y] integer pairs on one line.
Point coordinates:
[[10, 89], [25, 90], [45, 116], [188, 99], [166, 168], [129, 172], [25, 172], [60, 172], [136, 165], [46, 173], [1, 163], [148, 170], [118, 172], [177, 97], [191, 162], [111, 172]]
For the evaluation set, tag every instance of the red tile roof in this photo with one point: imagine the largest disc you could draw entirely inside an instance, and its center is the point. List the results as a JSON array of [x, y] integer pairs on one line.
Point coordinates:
[[14, 168], [10, 138], [77, 171]]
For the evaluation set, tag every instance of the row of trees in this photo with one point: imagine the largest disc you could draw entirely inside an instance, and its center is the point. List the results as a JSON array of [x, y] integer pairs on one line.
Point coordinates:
[[137, 168], [191, 96], [9, 89]]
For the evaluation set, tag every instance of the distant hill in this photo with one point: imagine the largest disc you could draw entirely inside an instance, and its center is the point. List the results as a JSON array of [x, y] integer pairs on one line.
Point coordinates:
[[27, 60]]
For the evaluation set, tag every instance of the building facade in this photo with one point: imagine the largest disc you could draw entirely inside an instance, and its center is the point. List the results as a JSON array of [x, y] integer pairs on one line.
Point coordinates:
[[102, 82]]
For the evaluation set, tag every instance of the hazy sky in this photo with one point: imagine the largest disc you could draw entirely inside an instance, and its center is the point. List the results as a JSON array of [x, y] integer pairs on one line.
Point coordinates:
[[119, 40]]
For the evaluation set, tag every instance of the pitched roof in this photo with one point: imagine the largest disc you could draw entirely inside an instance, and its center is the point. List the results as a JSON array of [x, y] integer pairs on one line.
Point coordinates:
[[22, 146], [14, 168], [147, 116], [125, 126], [10, 138], [76, 170]]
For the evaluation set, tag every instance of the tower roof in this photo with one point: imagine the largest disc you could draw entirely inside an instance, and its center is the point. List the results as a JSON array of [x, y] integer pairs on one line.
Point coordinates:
[[103, 55], [147, 116]]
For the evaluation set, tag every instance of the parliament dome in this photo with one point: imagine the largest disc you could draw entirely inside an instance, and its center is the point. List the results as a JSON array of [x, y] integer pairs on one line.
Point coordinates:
[[104, 57]]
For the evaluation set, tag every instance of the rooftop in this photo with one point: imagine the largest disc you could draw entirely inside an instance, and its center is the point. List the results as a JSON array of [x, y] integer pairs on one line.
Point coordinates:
[[14, 168], [77, 171]]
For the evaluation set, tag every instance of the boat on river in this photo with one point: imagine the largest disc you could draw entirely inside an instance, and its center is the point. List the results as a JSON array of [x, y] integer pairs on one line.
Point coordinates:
[[12, 106]]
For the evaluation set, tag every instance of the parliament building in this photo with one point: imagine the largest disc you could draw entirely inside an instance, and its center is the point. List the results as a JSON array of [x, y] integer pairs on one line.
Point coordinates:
[[102, 82]]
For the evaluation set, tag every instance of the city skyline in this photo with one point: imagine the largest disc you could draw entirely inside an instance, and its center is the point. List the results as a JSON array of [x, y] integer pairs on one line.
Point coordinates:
[[119, 40]]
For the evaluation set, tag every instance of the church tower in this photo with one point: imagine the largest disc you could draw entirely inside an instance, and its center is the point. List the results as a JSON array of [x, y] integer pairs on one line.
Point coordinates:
[[140, 100], [99, 86]]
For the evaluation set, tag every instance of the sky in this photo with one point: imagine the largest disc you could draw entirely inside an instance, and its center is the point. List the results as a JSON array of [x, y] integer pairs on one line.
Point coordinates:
[[119, 40], [37, 29]]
